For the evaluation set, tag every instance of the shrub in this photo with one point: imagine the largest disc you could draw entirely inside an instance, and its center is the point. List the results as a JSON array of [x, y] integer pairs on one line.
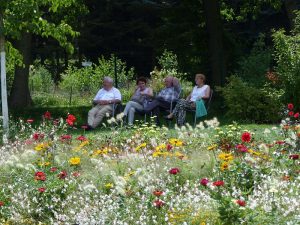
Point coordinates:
[[40, 79], [245, 102], [88, 79], [253, 67], [287, 56]]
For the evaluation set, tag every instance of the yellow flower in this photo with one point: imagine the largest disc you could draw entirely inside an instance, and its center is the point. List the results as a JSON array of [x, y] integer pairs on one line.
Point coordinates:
[[109, 185], [160, 147], [212, 147], [224, 166], [143, 145], [74, 161], [42, 146], [226, 157], [176, 142], [101, 152]]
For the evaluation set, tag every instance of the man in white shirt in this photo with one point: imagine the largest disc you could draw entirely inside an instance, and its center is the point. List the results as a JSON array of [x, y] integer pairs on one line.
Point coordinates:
[[103, 101]]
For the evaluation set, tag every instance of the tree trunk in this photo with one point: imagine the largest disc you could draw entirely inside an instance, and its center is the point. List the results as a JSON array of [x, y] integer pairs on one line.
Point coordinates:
[[3, 81], [215, 39], [20, 94]]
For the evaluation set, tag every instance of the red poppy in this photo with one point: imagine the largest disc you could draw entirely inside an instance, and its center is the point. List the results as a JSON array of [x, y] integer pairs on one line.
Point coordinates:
[[47, 115], [1, 203], [246, 137], [42, 189], [62, 175], [81, 138], [30, 121], [158, 193], [241, 202], [218, 183], [296, 116], [40, 176], [174, 171], [204, 181], [290, 106], [71, 119], [294, 157], [291, 113], [158, 203]]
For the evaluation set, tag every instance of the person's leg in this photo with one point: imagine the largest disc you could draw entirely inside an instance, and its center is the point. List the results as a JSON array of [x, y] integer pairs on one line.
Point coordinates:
[[181, 112], [127, 108], [92, 114], [101, 114], [154, 108], [134, 106]]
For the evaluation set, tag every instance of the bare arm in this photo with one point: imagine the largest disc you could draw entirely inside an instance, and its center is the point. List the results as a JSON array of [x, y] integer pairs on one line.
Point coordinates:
[[207, 93]]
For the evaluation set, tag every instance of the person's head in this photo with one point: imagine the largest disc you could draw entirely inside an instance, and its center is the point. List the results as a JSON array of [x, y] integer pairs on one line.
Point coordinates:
[[200, 79], [169, 81], [141, 83], [107, 83]]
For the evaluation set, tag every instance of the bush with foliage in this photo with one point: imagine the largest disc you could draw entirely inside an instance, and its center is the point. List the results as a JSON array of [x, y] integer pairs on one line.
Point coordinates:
[[287, 56], [253, 67], [169, 66], [40, 79], [249, 103], [89, 79]]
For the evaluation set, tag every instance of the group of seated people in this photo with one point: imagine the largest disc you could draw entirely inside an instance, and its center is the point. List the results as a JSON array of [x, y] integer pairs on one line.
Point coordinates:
[[144, 101]]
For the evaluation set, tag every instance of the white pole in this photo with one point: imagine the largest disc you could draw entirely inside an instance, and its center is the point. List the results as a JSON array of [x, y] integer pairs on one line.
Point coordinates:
[[4, 98]]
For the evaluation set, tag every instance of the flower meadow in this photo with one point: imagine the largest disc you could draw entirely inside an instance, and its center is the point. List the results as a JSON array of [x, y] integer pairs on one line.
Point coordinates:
[[55, 173]]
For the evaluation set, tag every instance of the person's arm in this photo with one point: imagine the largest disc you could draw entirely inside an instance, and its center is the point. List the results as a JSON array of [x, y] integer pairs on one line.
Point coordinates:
[[148, 94], [207, 93]]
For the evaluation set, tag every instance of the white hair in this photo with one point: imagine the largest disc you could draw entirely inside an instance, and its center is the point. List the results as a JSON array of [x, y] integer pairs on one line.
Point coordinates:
[[108, 79]]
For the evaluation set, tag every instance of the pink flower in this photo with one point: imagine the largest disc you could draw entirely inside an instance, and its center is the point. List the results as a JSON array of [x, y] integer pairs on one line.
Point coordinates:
[[242, 148], [280, 142], [1, 203], [291, 113], [158, 193], [66, 137], [53, 169], [158, 203], [204, 181], [294, 157], [81, 138], [42, 189], [76, 174], [169, 147], [218, 183], [290, 106], [246, 137], [38, 136], [30, 121], [62, 175], [296, 115], [241, 202], [84, 127], [174, 171], [47, 115], [40, 176]]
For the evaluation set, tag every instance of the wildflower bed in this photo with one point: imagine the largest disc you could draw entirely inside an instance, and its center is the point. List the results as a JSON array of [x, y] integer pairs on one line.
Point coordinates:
[[149, 175]]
